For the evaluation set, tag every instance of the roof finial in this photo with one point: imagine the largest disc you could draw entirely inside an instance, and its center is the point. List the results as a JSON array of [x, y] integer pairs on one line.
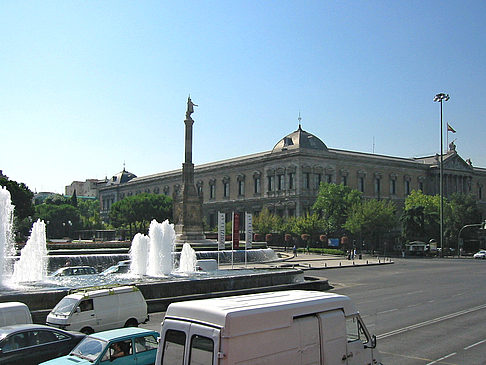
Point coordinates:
[[123, 165], [299, 119]]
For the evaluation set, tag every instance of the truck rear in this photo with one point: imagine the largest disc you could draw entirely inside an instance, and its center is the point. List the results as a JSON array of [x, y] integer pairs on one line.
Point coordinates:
[[286, 327]]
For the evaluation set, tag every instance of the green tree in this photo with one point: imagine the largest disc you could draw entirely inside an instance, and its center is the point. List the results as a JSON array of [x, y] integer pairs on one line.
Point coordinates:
[[310, 224], [461, 209], [74, 199], [62, 220], [137, 211], [21, 197], [420, 218], [333, 203], [266, 222], [89, 211], [371, 218]]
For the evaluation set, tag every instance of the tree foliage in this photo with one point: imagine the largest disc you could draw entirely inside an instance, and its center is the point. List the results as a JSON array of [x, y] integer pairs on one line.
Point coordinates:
[[333, 204], [21, 197], [137, 211], [62, 219], [371, 218], [266, 222]]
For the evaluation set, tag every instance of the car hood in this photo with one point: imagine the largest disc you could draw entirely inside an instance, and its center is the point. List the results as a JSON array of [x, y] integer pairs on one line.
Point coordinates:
[[67, 360]]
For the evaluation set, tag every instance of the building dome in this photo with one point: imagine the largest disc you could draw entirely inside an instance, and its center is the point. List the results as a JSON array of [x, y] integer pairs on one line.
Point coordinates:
[[299, 139], [121, 178]]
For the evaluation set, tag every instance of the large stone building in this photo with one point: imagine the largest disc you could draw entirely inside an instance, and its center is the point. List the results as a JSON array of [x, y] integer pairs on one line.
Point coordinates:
[[286, 179]]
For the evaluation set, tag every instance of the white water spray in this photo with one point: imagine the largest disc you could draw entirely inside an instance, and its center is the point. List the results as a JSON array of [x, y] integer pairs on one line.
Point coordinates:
[[32, 265], [187, 263], [138, 254], [161, 246], [6, 230]]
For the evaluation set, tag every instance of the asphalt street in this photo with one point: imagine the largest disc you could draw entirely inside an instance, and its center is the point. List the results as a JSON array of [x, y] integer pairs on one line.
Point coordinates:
[[423, 311]]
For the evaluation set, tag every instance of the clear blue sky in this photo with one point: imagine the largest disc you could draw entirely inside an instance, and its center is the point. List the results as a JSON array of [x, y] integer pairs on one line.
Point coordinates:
[[89, 85]]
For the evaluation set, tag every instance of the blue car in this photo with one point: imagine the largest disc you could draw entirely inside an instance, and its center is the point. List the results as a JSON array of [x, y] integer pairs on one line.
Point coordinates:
[[124, 346]]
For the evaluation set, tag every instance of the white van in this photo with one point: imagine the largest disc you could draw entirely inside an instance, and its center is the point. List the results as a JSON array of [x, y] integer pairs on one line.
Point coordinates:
[[289, 327], [14, 313], [91, 310]]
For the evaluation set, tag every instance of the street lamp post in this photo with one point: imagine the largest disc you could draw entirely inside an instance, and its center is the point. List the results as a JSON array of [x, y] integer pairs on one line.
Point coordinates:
[[439, 98]]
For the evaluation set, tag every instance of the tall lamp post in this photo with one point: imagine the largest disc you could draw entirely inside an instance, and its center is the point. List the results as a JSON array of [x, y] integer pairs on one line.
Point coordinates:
[[439, 98]]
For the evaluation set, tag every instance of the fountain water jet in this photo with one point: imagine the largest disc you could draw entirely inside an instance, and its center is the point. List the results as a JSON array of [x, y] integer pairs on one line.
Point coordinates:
[[139, 254], [161, 246], [6, 231], [187, 262], [32, 264]]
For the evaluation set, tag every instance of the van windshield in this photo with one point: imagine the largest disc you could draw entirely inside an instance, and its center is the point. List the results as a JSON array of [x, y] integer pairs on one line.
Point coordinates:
[[65, 307]]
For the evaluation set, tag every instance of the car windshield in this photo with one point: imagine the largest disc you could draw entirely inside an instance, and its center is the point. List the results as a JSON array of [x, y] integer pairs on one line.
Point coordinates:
[[90, 348], [65, 307]]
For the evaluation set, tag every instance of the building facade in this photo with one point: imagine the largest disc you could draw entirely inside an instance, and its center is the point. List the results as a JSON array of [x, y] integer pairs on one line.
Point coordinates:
[[286, 179]]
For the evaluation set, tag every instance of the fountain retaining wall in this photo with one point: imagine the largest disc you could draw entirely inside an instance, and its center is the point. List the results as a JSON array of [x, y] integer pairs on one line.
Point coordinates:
[[160, 294]]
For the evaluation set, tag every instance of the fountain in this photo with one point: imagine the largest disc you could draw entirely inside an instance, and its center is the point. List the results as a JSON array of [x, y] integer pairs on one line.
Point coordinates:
[[6, 232], [32, 264], [187, 261]]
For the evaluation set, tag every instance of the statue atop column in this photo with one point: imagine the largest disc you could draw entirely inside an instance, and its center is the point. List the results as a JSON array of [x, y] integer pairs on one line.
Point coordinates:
[[190, 107], [187, 206]]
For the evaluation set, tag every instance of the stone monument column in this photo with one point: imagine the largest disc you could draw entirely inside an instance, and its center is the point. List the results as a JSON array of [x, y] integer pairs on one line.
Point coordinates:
[[187, 203]]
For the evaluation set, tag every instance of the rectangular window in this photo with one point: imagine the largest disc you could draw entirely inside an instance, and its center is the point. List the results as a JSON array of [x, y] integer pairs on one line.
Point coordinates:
[[202, 350], [480, 193], [377, 186], [318, 180], [345, 180], [407, 187], [280, 182], [329, 178], [291, 180], [145, 343], [393, 187], [307, 180], [173, 347], [241, 188], [270, 183], [421, 186], [361, 184], [212, 191], [256, 185], [226, 189]]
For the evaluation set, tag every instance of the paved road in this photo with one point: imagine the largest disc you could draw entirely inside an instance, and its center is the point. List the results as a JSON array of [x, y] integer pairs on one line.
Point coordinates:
[[422, 311]]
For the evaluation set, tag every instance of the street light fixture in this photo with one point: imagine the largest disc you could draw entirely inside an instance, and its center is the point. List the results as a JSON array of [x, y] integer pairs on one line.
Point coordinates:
[[439, 98]]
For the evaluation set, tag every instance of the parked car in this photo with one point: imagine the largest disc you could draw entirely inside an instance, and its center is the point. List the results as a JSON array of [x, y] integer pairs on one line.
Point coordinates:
[[480, 255], [122, 346], [33, 343], [122, 267], [75, 270]]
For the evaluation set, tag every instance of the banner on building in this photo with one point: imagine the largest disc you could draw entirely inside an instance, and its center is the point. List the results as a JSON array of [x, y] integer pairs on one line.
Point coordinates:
[[236, 231], [221, 230], [248, 230]]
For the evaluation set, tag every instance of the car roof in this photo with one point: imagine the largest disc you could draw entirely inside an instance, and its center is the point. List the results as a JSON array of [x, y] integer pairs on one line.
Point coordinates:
[[122, 332], [6, 330]]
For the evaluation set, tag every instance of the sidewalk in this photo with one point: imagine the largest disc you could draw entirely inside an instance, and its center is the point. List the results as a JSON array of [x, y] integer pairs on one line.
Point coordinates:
[[310, 261]]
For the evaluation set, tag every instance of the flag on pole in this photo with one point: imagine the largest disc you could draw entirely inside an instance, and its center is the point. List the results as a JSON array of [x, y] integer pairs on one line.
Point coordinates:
[[450, 129]]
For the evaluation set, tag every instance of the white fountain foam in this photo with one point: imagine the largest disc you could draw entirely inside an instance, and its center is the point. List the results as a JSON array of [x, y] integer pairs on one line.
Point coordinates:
[[187, 262], [161, 246], [6, 230], [139, 254], [32, 264]]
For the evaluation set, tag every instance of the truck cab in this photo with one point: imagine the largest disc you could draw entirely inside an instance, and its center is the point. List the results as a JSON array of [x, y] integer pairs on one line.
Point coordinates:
[[286, 327]]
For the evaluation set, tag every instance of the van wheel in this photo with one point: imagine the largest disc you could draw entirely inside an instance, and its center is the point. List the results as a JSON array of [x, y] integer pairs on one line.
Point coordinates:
[[131, 323], [87, 330]]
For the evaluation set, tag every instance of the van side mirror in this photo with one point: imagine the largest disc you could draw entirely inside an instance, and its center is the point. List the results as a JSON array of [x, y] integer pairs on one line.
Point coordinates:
[[373, 342]]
